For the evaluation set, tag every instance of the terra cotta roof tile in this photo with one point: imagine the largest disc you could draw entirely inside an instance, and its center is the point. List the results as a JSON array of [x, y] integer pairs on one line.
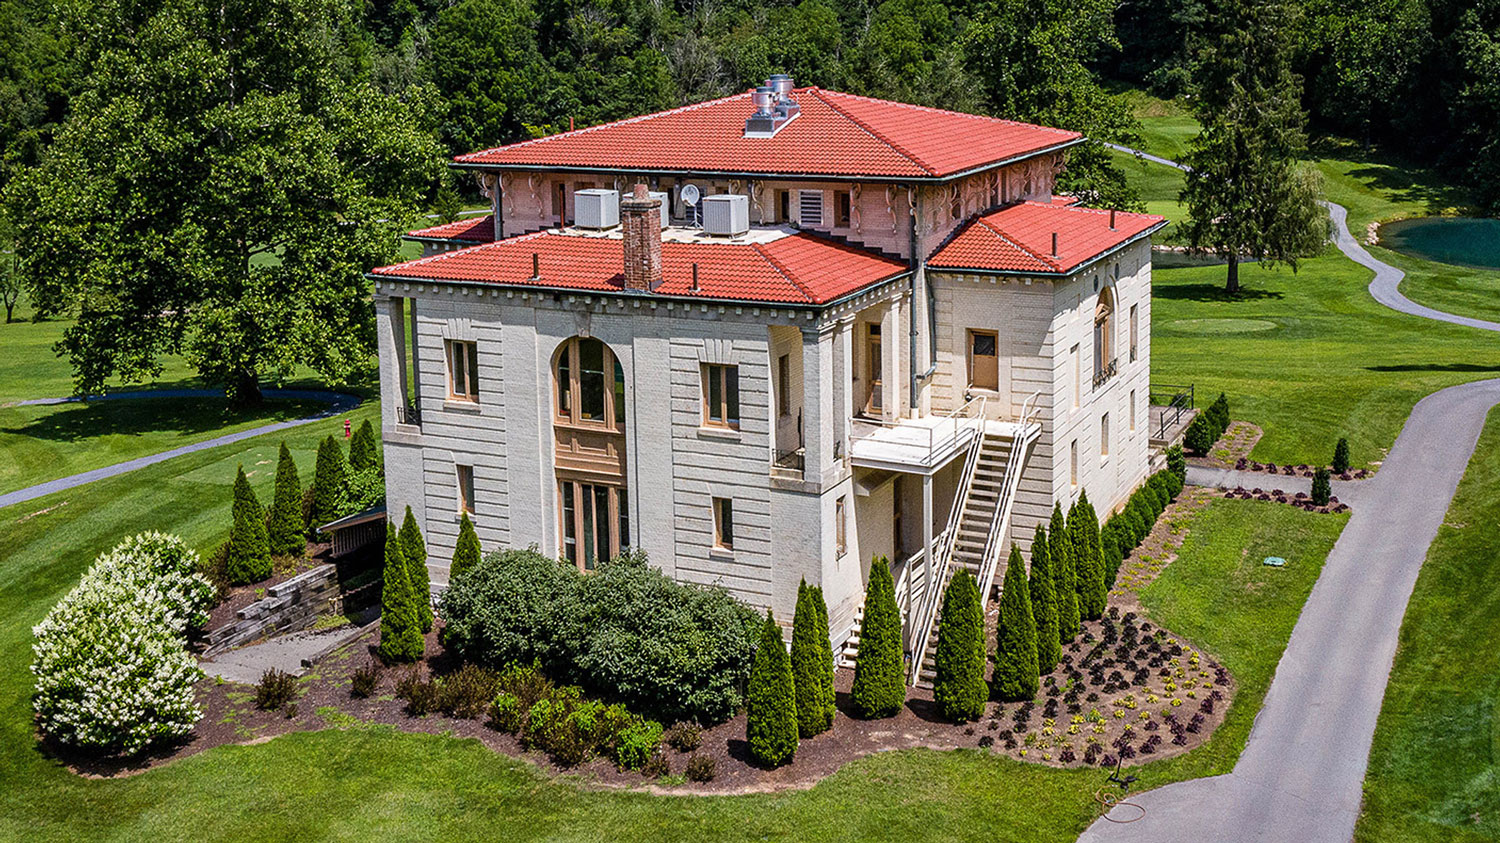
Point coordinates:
[[471, 229], [1018, 238]]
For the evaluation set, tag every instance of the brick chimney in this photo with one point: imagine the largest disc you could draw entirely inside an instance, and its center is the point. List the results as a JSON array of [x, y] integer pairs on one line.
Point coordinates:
[[640, 220]]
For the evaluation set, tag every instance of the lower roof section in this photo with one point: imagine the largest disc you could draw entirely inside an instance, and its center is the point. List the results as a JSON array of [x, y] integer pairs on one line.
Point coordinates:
[[782, 267], [1038, 238], [469, 230]]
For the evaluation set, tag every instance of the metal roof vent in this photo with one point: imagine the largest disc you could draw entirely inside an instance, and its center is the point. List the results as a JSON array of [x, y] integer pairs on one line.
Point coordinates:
[[774, 107], [596, 208], [726, 215]]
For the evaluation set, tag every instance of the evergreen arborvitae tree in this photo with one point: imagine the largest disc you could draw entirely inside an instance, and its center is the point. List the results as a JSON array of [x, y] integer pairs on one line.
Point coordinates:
[[329, 476], [1016, 673], [809, 651], [1322, 488], [879, 685], [288, 532], [770, 703], [1044, 603], [1093, 592], [826, 682], [362, 452], [400, 626], [959, 689], [249, 543], [1064, 583], [466, 553], [1109, 548], [1341, 456], [415, 552]]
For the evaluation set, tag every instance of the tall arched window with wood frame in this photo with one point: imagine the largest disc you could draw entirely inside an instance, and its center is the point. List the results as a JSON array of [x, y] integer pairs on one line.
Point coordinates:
[[1104, 337], [588, 422]]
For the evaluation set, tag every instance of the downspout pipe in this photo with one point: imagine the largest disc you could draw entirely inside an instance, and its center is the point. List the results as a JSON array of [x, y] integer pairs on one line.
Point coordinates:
[[918, 264]]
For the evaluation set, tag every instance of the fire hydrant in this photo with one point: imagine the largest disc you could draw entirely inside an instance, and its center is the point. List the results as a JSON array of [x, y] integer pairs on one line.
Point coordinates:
[[348, 428]]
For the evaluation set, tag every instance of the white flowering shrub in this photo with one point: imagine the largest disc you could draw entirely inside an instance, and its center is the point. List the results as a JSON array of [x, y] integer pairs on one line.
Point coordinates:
[[112, 670]]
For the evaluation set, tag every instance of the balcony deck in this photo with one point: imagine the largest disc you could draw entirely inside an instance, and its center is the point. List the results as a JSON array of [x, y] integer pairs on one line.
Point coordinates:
[[917, 446]]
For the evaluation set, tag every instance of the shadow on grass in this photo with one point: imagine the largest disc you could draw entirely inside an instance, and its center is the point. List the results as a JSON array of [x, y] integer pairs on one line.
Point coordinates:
[[1434, 367], [139, 417], [1211, 293], [1403, 180]]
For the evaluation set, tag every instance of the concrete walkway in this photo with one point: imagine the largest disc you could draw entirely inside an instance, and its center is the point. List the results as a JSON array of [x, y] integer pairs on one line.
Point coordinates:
[[338, 402], [1302, 772], [288, 653]]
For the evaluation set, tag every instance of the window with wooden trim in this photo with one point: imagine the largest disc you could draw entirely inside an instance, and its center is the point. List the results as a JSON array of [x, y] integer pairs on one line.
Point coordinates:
[[809, 207], [595, 522], [465, 488], [721, 396], [784, 385], [1135, 336], [589, 383], [841, 526], [1073, 463], [463, 370], [842, 203], [723, 523], [1132, 411]]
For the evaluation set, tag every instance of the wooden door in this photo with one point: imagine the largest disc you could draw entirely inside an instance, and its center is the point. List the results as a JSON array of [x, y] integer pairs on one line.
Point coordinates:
[[984, 359]]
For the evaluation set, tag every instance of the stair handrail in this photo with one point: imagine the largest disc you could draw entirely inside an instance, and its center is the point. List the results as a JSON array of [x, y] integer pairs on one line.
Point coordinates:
[[1020, 448], [942, 559]]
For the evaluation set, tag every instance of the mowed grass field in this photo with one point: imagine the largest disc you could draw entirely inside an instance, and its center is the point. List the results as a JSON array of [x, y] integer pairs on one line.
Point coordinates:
[[371, 782], [1434, 771]]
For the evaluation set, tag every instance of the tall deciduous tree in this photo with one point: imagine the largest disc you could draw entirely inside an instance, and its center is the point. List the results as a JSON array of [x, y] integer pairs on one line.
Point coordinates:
[[959, 688], [879, 686], [287, 529], [810, 654], [1247, 195], [770, 706], [400, 625], [249, 545], [220, 186], [1042, 585], [414, 550], [1064, 578], [1016, 673]]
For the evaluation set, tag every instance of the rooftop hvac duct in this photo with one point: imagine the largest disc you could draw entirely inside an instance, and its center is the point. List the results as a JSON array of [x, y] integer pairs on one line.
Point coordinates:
[[726, 215], [774, 107]]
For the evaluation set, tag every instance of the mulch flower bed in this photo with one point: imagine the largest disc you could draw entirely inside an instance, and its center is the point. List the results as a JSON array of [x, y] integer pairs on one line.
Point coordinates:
[[1301, 500], [1243, 464], [1233, 451]]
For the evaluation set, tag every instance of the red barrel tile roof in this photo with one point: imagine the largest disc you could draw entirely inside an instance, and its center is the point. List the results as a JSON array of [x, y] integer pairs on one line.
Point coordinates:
[[836, 134], [797, 269], [470, 229], [1018, 238]]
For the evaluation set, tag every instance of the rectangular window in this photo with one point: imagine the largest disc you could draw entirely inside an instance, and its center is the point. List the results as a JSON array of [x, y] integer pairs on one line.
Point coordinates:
[[1077, 376], [1073, 463], [591, 380], [724, 523], [840, 527], [1132, 411], [595, 522], [984, 359], [783, 206], [1104, 435], [466, 488], [560, 203], [463, 370], [842, 202], [809, 207], [570, 528], [784, 385], [721, 396], [1134, 333]]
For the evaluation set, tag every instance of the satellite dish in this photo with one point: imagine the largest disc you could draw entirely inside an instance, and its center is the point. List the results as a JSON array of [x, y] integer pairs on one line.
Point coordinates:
[[690, 194]]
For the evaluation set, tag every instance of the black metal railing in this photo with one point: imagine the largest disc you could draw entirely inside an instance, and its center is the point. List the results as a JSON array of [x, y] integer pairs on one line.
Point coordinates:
[[1175, 400], [1104, 373], [410, 414]]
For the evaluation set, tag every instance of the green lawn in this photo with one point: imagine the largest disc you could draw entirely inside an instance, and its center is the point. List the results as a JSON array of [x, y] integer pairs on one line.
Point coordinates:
[[1435, 764], [376, 782]]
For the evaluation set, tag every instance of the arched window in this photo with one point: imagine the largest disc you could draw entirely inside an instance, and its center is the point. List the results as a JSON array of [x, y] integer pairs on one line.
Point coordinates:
[[1104, 351], [589, 384]]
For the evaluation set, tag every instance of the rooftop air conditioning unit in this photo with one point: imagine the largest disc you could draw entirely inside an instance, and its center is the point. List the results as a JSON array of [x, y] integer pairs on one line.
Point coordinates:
[[726, 215], [596, 208], [666, 206]]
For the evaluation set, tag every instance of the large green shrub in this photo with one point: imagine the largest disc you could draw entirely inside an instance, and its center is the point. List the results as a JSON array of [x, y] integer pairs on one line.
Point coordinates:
[[110, 661], [329, 477], [400, 623], [770, 705], [1043, 603], [1177, 464], [1341, 456], [1016, 674], [288, 532], [879, 684], [959, 688], [1065, 580], [1093, 592], [626, 632], [249, 544], [414, 550], [812, 663], [1199, 438], [363, 454], [1322, 488], [466, 553]]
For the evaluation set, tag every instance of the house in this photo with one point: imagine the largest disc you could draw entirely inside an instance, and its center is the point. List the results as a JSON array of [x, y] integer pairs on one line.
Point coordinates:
[[769, 338]]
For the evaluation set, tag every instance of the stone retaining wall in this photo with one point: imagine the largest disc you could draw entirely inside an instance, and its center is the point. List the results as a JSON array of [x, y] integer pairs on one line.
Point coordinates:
[[287, 607]]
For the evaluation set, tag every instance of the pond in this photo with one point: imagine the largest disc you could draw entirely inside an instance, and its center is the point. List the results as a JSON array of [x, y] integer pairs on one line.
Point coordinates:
[[1465, 241]]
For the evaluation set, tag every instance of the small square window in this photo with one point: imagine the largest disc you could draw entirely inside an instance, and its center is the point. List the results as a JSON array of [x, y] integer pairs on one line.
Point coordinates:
[[723, 523], [721, 396], [466, 488]]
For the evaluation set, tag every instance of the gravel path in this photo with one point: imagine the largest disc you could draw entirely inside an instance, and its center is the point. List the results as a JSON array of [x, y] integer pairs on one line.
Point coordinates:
[[338, 402], [1302, 772]]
